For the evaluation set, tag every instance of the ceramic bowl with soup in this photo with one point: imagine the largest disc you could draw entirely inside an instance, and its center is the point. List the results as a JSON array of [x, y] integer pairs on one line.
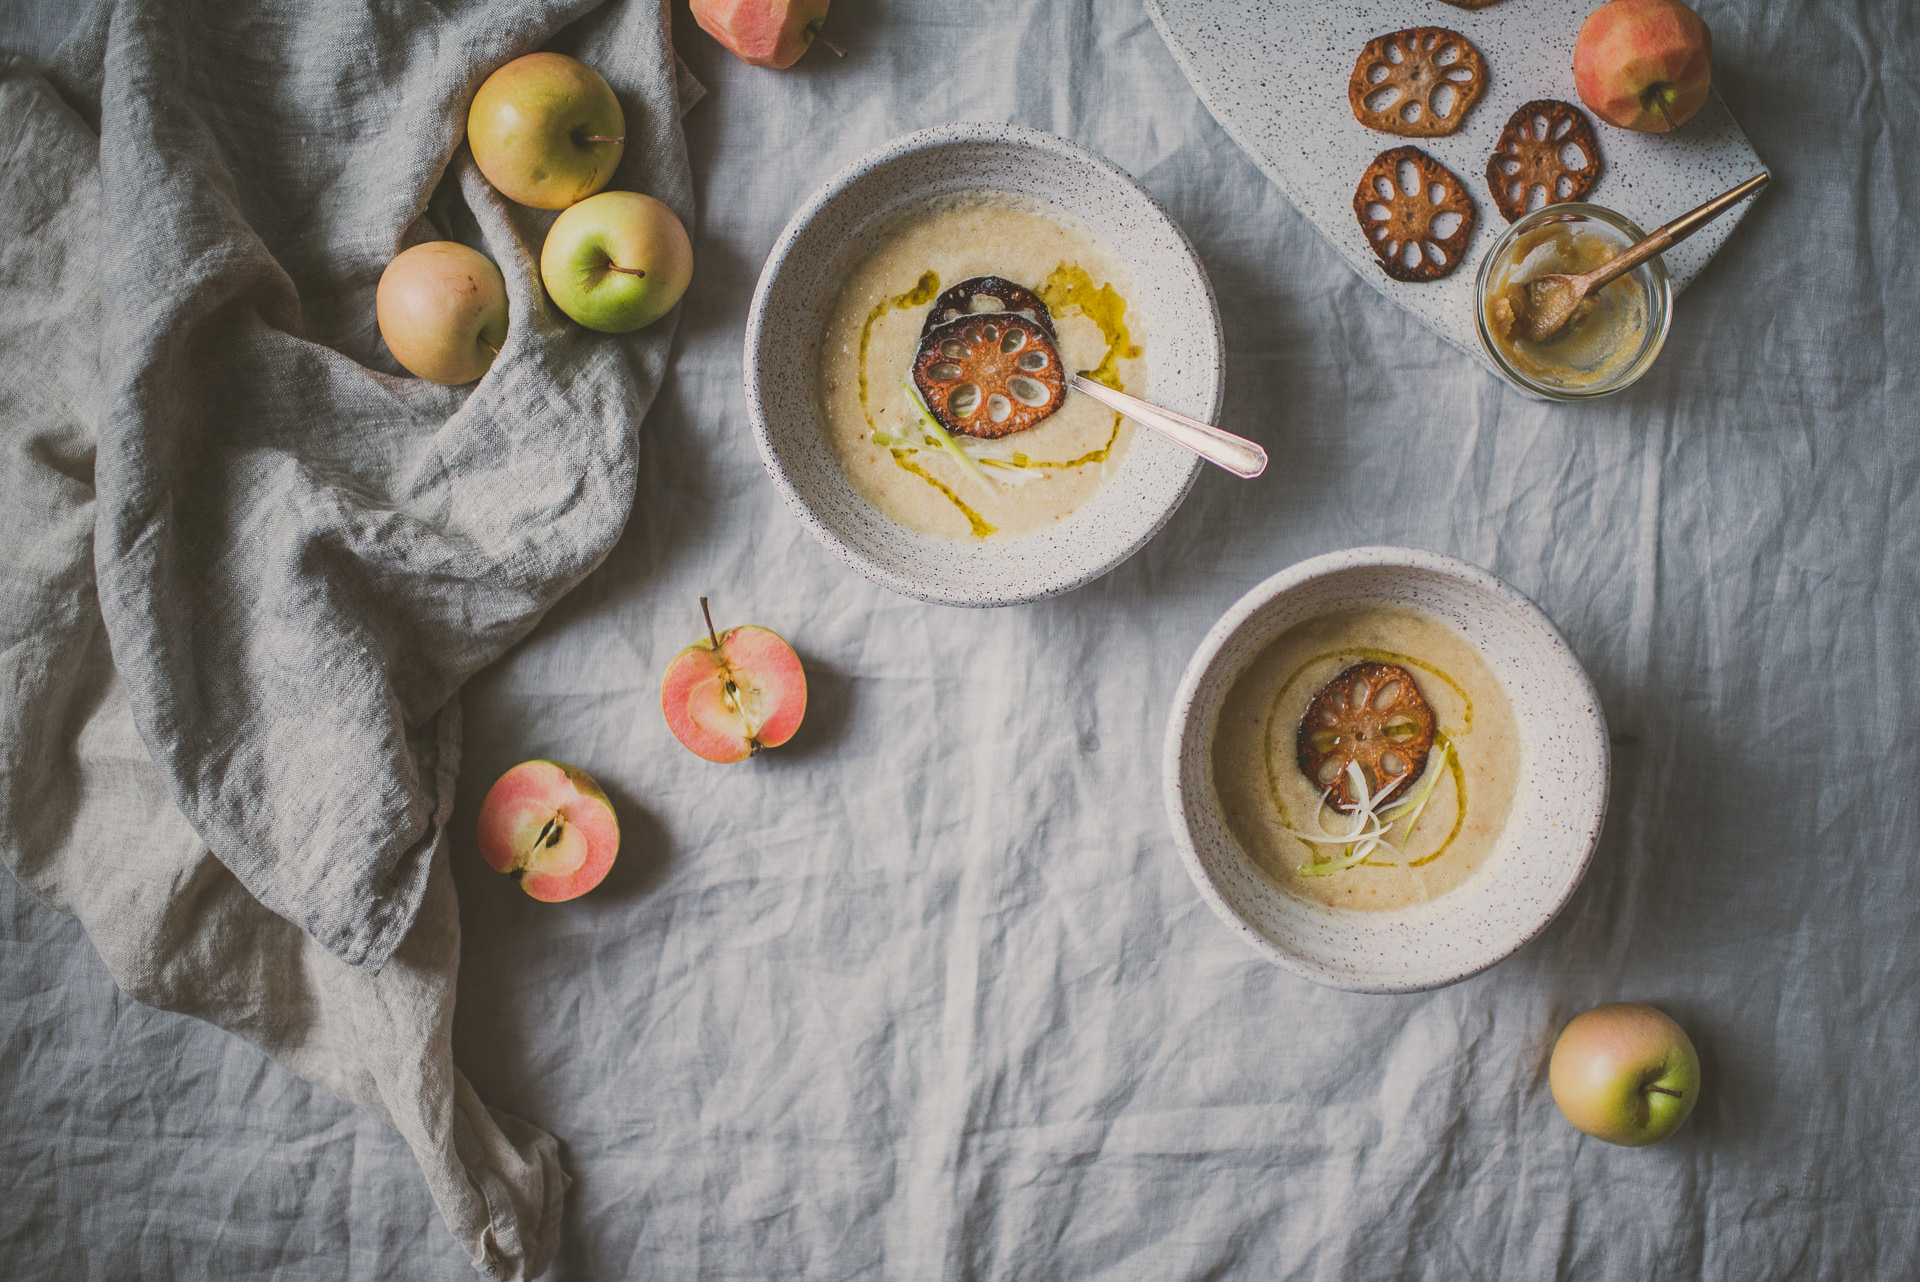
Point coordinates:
[[908, 349], [1385, 769]]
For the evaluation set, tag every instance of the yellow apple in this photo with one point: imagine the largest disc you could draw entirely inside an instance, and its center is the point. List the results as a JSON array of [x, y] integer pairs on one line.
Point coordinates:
[[546, 130], [1625, 1073], [442, 308]]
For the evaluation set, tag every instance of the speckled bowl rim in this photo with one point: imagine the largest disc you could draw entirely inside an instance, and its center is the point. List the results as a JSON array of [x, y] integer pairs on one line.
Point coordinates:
[[1188, 743], [1033, 589]]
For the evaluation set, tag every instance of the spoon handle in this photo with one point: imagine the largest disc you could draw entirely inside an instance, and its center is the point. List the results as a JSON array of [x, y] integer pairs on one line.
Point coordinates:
[[1223, 449], [1675, 232]]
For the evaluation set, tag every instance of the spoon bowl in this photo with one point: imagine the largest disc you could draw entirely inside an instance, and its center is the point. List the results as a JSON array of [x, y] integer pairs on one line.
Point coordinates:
[[1555, 300]]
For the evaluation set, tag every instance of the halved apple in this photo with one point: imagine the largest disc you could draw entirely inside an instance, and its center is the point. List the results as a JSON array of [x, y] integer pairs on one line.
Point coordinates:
[[550, 825], [735, 692]]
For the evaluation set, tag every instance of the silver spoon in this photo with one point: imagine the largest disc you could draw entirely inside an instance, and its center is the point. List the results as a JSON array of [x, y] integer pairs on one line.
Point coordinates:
[[1552, 300], [1222, 449]]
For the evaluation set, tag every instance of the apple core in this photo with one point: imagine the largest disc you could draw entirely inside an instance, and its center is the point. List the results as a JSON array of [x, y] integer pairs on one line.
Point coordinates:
[[733, 693], [551, 826]]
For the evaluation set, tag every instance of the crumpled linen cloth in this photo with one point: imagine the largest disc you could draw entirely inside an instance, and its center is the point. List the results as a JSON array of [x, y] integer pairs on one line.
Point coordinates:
[[248, 565], [926, 994]]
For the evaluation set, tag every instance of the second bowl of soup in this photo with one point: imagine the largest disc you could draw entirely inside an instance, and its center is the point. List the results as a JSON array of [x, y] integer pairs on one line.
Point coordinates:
[[1386, 770]]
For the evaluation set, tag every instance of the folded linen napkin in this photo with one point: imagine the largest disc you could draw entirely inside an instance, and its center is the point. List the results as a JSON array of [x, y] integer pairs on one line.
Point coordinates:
[[247, 564]]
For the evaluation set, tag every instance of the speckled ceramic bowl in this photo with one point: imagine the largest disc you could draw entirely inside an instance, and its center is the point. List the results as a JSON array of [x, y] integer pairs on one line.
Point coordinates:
[[1171, 304], [1557, 809]]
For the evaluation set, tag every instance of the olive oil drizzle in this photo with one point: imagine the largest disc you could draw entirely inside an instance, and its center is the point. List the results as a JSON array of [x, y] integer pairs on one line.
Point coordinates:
[[1459, 810], [1440, 739], [981, 526], [1070, 286], [1091, 456], [924, 291]]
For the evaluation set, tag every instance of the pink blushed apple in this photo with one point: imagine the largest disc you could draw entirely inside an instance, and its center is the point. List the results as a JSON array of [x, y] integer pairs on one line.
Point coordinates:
[[763, 33], [1644, 64], [732, 693], [550, 825], [546, 130], [442, 309], [1625, 1073]]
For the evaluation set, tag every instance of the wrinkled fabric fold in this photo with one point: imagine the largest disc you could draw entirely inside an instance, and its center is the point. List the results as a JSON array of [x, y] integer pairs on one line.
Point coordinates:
[[248, 566], [300, 552]]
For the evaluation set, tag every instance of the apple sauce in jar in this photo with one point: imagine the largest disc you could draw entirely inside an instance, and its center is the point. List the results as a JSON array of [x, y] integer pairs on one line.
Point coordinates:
[[1612, 338]]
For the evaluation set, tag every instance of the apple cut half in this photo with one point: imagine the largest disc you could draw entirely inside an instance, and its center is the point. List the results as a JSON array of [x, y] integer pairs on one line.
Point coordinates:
[[733, 693], [550, 825]]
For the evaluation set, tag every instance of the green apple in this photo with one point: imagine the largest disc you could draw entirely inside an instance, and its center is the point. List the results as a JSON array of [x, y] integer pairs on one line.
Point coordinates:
[[617, 261], [1625, 1073], [442, 308], [546, 130]]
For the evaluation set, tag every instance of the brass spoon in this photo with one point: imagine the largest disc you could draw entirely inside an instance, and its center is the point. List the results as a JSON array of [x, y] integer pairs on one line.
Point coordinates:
[[1549, 302]]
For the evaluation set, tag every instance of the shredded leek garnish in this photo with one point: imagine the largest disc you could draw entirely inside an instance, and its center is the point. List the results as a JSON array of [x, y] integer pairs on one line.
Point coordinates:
[[938, 435], [1370, 825]]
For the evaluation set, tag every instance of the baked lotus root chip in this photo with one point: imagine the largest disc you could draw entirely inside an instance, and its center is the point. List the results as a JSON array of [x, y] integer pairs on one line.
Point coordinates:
[[1375, 715], [990, 374], [958, 302], [1415, 213], [1548, 146], [1417, 83]]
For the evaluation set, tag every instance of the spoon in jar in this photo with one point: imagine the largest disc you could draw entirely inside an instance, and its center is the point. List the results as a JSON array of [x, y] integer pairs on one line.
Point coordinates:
[[1546, 304], [1221, 448]]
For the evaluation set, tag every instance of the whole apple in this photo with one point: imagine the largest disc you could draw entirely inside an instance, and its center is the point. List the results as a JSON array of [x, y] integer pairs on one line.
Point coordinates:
[[1625, 1073], [1643, 64], [763, 33], [617, 261], [442, 309], [546, 130]]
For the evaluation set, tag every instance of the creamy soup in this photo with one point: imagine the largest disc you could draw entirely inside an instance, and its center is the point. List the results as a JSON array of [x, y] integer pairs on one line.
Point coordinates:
[[1457, 807], [1003, 487]]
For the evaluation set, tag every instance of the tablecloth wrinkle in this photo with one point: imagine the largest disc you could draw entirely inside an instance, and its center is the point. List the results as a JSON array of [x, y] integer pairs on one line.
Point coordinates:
[[926, 993], [251, 563]]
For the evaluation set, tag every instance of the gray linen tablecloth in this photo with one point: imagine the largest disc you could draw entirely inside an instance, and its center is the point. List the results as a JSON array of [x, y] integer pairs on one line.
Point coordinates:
[[927, 995]]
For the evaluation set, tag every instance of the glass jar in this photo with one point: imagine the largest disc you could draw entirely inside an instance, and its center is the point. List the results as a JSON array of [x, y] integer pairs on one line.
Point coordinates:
[[1605, 350]]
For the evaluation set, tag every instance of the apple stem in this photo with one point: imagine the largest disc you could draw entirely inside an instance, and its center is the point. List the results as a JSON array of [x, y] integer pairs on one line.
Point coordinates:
[[490, 347], [711, 634], [630, 271], [813, 33], [601, 138], [1661, 1090], [1659, 105]]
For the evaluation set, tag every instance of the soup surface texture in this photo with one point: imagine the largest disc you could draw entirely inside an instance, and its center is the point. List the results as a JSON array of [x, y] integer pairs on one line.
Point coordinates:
[[1016, 484], [1264, 794]]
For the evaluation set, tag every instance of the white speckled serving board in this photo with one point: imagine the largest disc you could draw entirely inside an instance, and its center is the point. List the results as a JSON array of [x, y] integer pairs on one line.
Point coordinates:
[[1274, 73]]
